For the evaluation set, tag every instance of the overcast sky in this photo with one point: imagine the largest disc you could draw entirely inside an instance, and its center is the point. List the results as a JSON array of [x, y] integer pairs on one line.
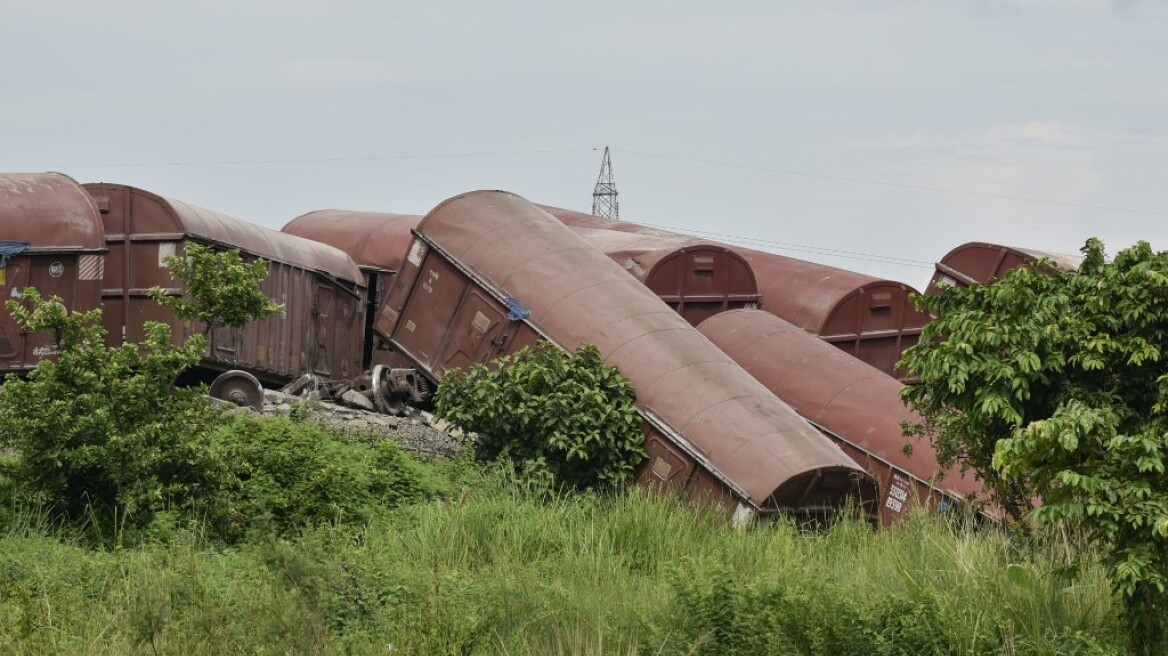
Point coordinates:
[[808, 125]]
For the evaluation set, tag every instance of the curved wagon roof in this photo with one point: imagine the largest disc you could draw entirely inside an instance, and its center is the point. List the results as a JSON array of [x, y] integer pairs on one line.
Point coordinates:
[[982, 262], [373, 239], [160, 216], [49, 211]]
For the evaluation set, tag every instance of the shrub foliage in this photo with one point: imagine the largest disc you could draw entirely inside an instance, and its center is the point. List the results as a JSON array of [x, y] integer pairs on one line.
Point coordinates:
[[103, 429], [293, 475], [571, 417], [1052, 385], [221, 289]]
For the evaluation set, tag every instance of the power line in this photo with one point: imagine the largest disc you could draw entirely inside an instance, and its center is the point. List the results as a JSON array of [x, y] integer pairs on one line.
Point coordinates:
[[898, 185], [306, 160]]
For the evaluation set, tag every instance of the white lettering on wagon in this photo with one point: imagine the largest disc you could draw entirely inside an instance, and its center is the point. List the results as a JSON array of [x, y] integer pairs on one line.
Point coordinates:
[[897, 493], [428, 285]]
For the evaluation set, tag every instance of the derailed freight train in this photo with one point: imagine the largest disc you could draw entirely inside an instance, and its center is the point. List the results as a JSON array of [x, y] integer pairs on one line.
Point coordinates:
[[483, 275], [489, 273], [854, 403]]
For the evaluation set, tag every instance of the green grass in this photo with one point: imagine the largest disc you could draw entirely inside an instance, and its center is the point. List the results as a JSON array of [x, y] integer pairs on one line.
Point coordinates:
[[490, 569]]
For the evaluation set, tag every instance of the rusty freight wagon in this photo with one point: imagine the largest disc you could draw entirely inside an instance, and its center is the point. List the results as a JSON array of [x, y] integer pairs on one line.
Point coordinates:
[[851, 401], [983, 263], [51, 238], [321, 288], [870, 318], [378, 243], [695, 277], [489, 273]]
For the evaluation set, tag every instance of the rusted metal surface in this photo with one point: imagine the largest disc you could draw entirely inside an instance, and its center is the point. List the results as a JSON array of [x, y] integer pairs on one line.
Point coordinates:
[[322, 289], [710, 427], [854, 403], [869, 318], [982, 263], [372, 239], [872, 319], [378, 243], [64, 257], [695, 277]]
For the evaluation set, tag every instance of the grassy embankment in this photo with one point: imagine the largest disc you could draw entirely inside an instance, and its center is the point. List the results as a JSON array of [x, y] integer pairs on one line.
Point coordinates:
[[489, 568]]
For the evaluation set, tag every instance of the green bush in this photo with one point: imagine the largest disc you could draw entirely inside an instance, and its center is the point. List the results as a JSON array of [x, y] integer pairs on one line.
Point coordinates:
[[570, 418], [294, 475], [102, 434]]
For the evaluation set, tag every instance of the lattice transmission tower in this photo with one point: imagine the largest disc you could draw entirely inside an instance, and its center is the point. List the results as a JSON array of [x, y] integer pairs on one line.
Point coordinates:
[[604, 201]]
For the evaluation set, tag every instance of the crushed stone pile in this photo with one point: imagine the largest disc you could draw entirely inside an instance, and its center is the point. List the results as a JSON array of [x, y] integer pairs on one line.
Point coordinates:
[[414, 430]]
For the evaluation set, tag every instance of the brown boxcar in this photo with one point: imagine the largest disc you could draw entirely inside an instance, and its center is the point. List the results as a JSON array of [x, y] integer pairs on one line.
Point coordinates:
[[982, 263], [52, 240], [378, 243], [695, 277], [853, 402], [489, 273], [321, 288], [869, 318]]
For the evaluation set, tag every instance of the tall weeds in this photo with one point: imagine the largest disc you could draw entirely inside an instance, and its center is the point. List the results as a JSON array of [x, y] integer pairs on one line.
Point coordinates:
[[494, 570]]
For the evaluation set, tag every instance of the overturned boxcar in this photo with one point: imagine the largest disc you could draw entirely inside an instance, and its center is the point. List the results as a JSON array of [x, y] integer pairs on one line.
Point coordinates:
[[695, 277], [869, 318], [378, 243], [489, 273], [983, 263], [51, 238], [321, 288], [854, 403]]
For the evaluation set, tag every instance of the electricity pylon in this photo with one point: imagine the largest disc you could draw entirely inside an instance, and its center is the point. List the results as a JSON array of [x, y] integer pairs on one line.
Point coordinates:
[[604, 201]]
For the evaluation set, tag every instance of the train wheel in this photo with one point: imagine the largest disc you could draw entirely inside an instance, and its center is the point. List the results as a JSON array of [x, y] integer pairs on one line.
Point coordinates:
[[240, 388]]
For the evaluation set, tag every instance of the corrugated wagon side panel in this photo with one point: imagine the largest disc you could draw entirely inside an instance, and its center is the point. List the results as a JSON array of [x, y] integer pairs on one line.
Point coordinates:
[[319, 330]]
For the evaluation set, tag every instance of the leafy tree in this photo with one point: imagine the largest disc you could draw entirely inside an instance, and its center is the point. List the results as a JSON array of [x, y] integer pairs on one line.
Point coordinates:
[[102, 432], [568, 416], [221, 289], [1053, 386], [102, 429]]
